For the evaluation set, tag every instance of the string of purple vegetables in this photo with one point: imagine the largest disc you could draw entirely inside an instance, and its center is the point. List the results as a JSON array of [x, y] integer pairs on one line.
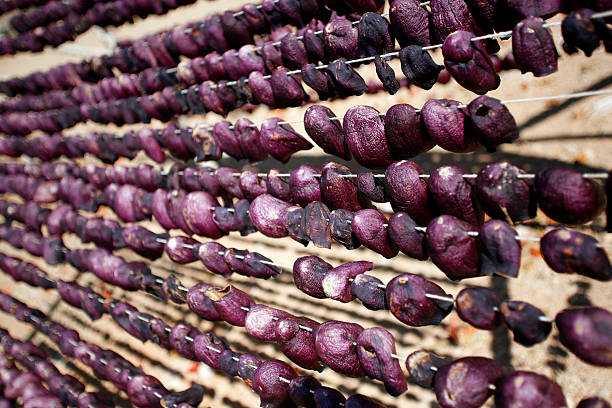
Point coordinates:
[[62, 389], [375, 341], [284, 90], [8, 5], [49, 12]]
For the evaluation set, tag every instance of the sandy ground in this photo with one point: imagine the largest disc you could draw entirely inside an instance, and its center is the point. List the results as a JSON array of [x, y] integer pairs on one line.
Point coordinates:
[[574, 132]]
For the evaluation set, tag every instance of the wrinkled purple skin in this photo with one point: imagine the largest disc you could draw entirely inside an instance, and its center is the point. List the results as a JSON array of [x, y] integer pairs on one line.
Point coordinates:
[[477, 307], [371, 187], [267, 213], [402, 233], [386, 75], [418, 66], [175, 200], [587, 332], [287, 90], [266, 383], [593, 402], [249, 139], [365, 135], [528, 389], [235, 259], [533, 47], [143, 241], [304, 185], [308, 275], [419, 365], [341, 39], [293, 52], [326, 133], [178, 341], [160, 212], [408, 303], [465, 382], [340, 224], [254, 266], [406, 135], [298, 344], [247, 365], [407, 191], [228, 302], [281, 141], [567, 251], [337, 191], [326, 397], [524, 321], [56, 218], [336, 284], [448, 125], [450, 193], [317, 79], [315, 224], [567, 197], [208, 253], [410, 23], [140, 390], [491, 122], [515, 201], [198, 215], [252, 185], [199, 303], [178, 252], [370, 290], [150, 145], [300, 390], [260, 322], [509, 12], [228, 364], [448, 16], [262, 88], [277, 186], [228, 182], [369, 228], [469, 63], [376, 345], [295, 226], [334, 342], [451, 248], [227, 140], [500, 251], [201, 344]]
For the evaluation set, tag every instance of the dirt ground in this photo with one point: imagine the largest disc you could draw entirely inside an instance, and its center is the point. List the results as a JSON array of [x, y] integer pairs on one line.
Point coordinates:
[[573, 132]]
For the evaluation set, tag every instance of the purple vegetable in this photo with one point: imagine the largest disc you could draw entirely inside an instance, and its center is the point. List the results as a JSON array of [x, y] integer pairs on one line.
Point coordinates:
[[526, 321], [340, 224], [341, 39], [593, 402], [326, 397], [479, 307], [376, 346], [407, 191], [247, 365], [527, 389], [261, 321], [371, 187], [280, 140], [402, 232], [334, 342], [277, 186], [419, 67], [178, 341], [315, 224], [365, 136], [579, 32], [208, 348], [336, 284], [266, 383], [369, 228], [325, 132], [565, 196], [410, 23], [142, 389], [422, 366], [587, 332], [180, 249], [448, 125], [407, 300], [228, 302], [452, 194], [267, 213], [534, 48], [491, 122], [338, 191], [300, 390], [298, 344], [370, 290], [304, 185], [197, 212], [406, 136], [499, 249], [287, 90], [361, 401]]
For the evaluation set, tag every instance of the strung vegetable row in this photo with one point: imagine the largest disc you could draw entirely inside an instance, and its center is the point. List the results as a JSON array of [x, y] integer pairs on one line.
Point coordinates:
[[64, 389], [143, 390], [216, 33], [9, 5], [52, 11]]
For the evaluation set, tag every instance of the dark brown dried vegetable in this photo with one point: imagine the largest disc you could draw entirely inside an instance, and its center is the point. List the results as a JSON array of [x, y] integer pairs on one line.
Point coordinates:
[[419, 67], [491, 122], [386, 74], [347, 82]]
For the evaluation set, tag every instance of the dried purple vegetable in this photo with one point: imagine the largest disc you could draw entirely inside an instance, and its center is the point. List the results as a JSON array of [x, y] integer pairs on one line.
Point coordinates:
[[406, 135], [341, 39], [376, 347], [160, 211], [410, 23], [262, 88], [361, 401], [234, 258], [287, 89], [451, 248], [403, 234], [308, 275], [200, 304], [347, 82], [248, 138], [370, 290], [469, 63], [295, 226], [527, 389], [304, 184], [386, 74], [364, 132], [228, 181], [281, 141], [326, 397], [422, 366], [141, 390], [491, 122], [534, 48], [503, 194], [335, 342], [448, 16], [180, 343], [568, 251], [261, 320], [479, 307], [325, 132], [208, 347], [579, 32], [336, 283], [369, 228], [419, 67], [247, 365], [407, 300], [278, 186], [210, 99], [371, 187], [174, 206], [407, 191], [593, 402], [228, 360], [374, 37], [448, 125], [318, 80], [586, 333], [293, 52], [297, 343], [500, 250], [465, 382], [267, 214], [258, 266], [252, 185], [338, 191], [566, 196], [180, 249], [340, 223], [228, 302], [197, 212], [527, 322], [315, 224], [450, 193], [509, 12], [300, 390], [267, 384]]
